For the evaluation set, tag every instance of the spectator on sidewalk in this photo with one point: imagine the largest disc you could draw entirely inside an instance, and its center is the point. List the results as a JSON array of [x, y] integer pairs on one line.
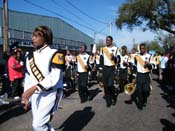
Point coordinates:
[[15, 73], [163, 65]]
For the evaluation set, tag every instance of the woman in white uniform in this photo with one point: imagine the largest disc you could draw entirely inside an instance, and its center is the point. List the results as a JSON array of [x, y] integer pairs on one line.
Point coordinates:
[[43, 79]]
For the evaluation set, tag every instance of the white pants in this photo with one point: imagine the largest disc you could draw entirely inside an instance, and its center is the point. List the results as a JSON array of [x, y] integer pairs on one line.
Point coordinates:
[[43, 106]]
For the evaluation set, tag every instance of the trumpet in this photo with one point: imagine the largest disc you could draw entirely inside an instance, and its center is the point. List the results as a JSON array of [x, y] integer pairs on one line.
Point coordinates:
[[130, 88]]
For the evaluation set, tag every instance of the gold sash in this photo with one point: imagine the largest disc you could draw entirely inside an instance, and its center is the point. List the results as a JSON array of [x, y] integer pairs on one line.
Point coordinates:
[[81, 63], [152, 59], [35, 71], [140, 60], [105, 50], [97, 57], [157, 60]]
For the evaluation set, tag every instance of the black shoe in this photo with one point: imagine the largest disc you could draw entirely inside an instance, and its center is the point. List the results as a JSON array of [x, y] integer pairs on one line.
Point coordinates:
[[144, 105], [140, 108], [128, 101], [114, 101], [90, 98], [83, 100], [108, 104], [173, 114]]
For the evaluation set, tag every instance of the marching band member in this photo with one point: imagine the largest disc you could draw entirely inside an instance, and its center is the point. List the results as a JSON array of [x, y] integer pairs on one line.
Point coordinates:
[[43, 83], [153, 61], [132, 75], [74, 57], [92, 67], [68, 59], [158, 56], [83, 68], [143, 76], [132, 65], [68, 64], [163, 66], [108, 60], [97, 59], [123, 68], [98, 68]]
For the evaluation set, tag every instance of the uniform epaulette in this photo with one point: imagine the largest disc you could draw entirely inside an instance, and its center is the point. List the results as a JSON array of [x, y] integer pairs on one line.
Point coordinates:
[[58, 60]]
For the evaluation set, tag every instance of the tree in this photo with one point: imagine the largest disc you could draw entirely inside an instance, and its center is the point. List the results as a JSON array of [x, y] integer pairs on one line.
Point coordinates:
[[154, 45], [148, 14], [168, 42], [100, 44]]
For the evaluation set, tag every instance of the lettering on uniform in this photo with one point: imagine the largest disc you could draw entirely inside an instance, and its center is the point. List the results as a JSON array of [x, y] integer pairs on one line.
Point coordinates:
[[60, 58], [35, 71]]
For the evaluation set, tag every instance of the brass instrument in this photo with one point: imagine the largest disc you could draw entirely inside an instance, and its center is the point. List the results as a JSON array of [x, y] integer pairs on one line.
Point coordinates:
[[94, 69], [101, 84], [130, 88], [129, 71], [100, 77]]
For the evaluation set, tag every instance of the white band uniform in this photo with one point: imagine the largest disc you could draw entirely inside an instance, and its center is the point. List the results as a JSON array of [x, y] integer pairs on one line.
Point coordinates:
[[46, 100]]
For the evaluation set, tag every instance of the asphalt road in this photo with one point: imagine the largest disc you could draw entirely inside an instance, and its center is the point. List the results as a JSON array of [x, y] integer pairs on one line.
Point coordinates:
[[95, 116]]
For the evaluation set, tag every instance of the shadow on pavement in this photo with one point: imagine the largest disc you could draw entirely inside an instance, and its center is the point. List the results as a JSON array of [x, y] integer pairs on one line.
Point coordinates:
[[168, 93], [78, 120], [69, 92], [169, 97], [94, 93], [168, 126], [92, 83], [11, 110]]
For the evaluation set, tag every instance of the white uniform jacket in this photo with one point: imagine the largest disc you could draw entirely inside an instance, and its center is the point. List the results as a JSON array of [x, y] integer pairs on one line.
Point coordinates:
[[140, 62], [82, 61], [105, 53], [50, 70], [123, 59]]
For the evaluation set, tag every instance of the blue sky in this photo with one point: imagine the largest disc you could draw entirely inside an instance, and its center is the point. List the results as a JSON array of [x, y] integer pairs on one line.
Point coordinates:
[[94, 15]]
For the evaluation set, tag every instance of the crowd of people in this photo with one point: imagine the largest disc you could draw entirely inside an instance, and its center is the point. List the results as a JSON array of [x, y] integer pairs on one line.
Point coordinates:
[[38, 77], [121, 67]]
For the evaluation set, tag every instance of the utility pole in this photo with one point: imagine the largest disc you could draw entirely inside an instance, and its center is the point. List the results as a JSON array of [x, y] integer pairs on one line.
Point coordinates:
[[133, 42], [94, 45], [110, 28], [5, 22], [95, 37]]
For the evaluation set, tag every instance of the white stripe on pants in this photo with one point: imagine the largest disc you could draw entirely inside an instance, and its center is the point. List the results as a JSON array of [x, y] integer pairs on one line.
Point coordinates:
[[42, 105]]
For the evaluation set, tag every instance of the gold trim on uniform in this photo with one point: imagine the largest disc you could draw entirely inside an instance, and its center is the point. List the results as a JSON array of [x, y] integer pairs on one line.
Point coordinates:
[[81, 63], [105, 50], [142, 63], [58, 59], [36, 72]]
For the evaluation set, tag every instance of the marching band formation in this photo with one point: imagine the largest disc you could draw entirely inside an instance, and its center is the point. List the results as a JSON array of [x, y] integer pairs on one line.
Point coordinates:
[[49, 73], [110, 66]]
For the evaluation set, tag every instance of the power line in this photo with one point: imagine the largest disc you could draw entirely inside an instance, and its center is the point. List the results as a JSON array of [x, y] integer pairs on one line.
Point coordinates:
[[59, 5], [103, 29], [60, 15], [85, 13]]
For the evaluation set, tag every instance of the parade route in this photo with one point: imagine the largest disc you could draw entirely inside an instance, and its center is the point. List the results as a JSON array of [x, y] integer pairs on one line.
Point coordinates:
[[95, 116]]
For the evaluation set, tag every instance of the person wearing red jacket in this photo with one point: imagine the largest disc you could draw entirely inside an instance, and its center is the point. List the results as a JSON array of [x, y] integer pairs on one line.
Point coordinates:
[[15, 72]]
